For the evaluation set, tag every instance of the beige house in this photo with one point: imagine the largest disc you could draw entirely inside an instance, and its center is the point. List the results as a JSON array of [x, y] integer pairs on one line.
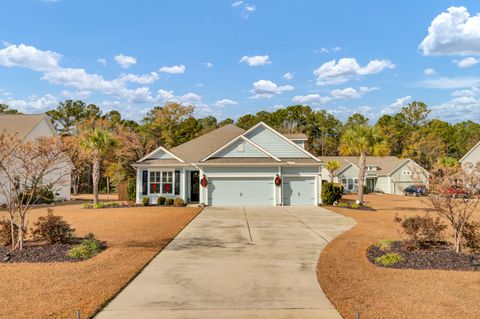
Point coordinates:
[[388, 174], [29, 127], [472, 156]]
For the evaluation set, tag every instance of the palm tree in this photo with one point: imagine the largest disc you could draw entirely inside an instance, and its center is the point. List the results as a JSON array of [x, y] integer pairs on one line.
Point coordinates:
[[332, 166], [362, 140], [97, 143]]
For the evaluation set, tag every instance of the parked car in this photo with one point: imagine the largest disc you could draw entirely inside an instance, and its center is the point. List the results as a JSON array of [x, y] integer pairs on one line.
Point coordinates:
[[457, 192], [415, 190]]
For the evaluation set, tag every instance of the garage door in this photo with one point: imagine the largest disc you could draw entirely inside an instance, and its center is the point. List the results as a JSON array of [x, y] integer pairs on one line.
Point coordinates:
[[399, 186], [237, 191], [298, 191]]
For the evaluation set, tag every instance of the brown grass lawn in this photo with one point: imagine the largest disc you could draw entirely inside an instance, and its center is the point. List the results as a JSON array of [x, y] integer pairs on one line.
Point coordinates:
[[352, 283], [133, 235]]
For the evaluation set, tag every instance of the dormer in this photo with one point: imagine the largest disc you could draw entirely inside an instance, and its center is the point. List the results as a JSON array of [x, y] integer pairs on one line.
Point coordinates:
[[297, 138]]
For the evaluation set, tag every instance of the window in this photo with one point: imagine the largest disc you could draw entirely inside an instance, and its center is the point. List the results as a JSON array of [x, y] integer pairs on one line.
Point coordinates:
[[350, 184], [344, 181], [177, 182], [371, 168], [161, 182], [406, 172]]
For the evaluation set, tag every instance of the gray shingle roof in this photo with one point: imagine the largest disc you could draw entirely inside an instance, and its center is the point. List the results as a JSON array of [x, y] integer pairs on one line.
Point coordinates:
[[386, 165], [20, 124]]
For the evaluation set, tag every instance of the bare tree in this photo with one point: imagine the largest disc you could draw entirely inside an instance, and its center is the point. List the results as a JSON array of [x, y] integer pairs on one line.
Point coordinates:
[[455, 195], [26, 167]]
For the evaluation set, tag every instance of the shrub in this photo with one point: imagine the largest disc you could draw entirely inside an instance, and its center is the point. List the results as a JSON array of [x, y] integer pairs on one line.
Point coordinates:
[[86, 249], [87, 206], [43, 194], [131, 189], [6, 232], [169, 201], [145, 201], [471, 236], [389, 259], [421, 230], [385, 244], [161, 200], [52, 229], [179, 202], [331, 193]]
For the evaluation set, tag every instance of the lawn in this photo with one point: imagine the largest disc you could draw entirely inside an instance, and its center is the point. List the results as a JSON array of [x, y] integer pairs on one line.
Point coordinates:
[[353, 284], [56, 290]]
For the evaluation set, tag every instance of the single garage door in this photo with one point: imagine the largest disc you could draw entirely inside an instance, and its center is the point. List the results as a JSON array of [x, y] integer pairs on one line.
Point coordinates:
[[298, 191], [399, 186], [240, 191]]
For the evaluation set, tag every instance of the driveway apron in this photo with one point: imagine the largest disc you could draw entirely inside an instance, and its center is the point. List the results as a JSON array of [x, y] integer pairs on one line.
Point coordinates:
[[237, 262]]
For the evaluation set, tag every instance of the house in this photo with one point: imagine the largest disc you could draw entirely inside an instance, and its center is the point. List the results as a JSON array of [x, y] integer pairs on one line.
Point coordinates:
[[388, 174], [29, 127], [233, 167], [472, 156]]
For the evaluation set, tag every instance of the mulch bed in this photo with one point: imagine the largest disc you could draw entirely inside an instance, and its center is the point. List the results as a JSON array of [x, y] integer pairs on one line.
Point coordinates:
[[39, 252], [434, 256]]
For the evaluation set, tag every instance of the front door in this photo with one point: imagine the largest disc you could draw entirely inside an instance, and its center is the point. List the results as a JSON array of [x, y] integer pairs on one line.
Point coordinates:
[[194, 186]]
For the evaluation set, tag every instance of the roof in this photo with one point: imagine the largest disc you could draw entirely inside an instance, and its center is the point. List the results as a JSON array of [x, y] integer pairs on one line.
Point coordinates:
[[259, 160], [386, 165], [197, 149], [470, 151], [21, 124], [296, 136]]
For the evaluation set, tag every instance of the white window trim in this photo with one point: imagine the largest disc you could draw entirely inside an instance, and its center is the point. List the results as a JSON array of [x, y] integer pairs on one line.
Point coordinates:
[[161, 182]]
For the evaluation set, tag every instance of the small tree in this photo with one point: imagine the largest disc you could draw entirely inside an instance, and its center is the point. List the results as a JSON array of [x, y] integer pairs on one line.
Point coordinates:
[[25, 167], [455, 194], [332, 166]]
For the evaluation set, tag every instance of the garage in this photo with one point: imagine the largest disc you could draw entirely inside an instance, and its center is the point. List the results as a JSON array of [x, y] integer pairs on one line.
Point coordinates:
[[241, 191], [398, 187], [299, 191]]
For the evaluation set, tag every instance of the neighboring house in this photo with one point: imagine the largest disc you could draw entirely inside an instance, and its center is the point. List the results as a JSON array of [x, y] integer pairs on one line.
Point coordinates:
[[237, 168], [388, 174], [472, 156], [29, 127]]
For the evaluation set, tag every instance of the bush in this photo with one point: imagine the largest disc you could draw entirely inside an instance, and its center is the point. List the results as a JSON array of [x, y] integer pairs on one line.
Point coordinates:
[[6, 232], [471, 236], [389, 259], [43, 195], [52, 229], [145, 201], [422, 230], [131, 189], [169, 201], [331, 193], [101, 205], [385, 244], [86, 249], [350, 205], [161, 200], [179, 202]]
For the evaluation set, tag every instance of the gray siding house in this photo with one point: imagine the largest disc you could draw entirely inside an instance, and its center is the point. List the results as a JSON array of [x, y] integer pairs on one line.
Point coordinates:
[[233, 167], [389, 175]]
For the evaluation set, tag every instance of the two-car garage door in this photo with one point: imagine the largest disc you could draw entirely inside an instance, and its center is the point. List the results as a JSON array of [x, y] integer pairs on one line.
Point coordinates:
[[260, 191]]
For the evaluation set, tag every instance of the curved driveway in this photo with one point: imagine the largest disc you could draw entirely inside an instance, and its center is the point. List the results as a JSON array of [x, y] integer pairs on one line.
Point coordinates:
[[235, 262]]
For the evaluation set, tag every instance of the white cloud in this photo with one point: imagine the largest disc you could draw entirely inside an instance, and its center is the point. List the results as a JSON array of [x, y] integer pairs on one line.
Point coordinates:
[[207, 64], [76, 95], [429, 71], [288, 76], [336, 49], [168, 96], [466, 63], [466, 93], [401, 102], [140, 79], [224, 102], [125, 61], [343, 112], [328, 50], [246, 8], [458, 109], [237, 3], [255, 60], [454, 32], [29, 57], [175, 69], [102, 61], [312, 99], [33, 104], [267, 89], [449, 83], [335, 73], [351, 93]]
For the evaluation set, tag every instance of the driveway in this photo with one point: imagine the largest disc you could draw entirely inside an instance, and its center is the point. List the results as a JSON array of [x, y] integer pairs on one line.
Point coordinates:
[[237, 262]]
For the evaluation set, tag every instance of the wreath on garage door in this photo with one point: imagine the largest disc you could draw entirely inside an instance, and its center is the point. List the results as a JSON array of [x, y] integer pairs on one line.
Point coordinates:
[[278, 181], [204, 181]]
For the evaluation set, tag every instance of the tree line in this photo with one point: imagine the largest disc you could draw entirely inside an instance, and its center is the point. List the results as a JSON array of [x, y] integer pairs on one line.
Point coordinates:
[[115, 143]]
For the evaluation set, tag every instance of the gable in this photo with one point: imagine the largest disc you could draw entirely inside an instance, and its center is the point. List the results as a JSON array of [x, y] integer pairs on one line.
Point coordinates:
[[240, 148], [349, 172], [473, 156], [408, 171], [42, 129], [273, 143], [160, 154]]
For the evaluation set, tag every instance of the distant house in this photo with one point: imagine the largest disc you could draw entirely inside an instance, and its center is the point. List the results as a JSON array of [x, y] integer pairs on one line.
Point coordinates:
[[388, 174], [233, 167], [30, 127], [472, 156]]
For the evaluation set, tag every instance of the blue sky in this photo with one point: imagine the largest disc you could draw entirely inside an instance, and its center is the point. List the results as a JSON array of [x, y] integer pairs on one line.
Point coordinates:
[[228, 58]]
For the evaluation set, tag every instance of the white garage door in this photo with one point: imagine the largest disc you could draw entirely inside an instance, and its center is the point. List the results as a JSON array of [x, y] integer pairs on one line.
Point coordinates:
[[240, 191], [399, 186], [298, 191]]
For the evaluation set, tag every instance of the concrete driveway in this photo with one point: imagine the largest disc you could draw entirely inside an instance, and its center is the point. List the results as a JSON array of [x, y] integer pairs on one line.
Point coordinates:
[[237, 262]]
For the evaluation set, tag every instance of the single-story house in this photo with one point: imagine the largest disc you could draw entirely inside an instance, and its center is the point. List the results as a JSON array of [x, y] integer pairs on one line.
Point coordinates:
[[233, 167], [472, 156], [388, 174], [32, 126]]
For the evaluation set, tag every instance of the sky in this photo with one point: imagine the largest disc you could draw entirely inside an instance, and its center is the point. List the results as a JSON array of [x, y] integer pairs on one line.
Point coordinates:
[[229, 58]]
